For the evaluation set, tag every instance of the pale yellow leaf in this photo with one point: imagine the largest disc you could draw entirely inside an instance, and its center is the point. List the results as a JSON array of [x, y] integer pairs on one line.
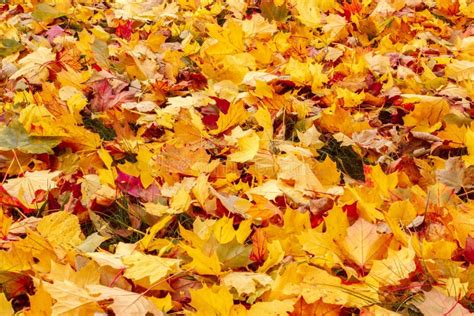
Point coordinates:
[[24, 188], [124, 302], [153, 268], [61, 228]]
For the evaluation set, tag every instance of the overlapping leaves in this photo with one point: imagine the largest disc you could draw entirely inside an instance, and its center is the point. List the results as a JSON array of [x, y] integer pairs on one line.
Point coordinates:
[[237, 157]]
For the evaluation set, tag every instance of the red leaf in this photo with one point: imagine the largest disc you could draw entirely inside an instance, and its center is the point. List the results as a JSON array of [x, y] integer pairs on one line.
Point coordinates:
[[7, 200], [124, 30], [469, 249], [259, 247]]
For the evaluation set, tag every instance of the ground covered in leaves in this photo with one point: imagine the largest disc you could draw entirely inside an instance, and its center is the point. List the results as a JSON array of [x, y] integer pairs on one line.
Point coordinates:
[[237, 157]]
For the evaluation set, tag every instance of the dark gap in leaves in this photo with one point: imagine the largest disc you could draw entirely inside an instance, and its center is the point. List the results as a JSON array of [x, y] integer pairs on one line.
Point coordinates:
[[222, 17], [130, 157], [96, 125], [183, 219], [347, 160]]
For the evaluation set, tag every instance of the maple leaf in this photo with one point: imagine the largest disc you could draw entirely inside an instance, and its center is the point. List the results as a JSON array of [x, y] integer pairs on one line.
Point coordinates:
[[460, 70], [202, 263], [274, 10], [427, 114], [140, 266], [363, 244], [436, 303], [275, 307], [6, 306], [235, 115], [311, 283], [9, 46], [41, 302], [246, 283], [70, 298], [107, 97], [61, 228], [309, 12], [300, 157], [248, 148], [215, 299], [229, 39], [24, 188], [124, 301], [34, 66], [397, 266]]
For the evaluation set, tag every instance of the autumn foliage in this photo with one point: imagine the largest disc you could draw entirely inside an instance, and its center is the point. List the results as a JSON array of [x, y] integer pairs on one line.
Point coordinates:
[[290, 157]]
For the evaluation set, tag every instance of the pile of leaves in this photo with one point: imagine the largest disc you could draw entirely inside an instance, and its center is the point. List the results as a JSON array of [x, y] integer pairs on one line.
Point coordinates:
[[302, 157]]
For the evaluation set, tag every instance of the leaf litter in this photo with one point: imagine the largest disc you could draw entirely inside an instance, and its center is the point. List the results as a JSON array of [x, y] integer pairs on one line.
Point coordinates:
[[290, 157]]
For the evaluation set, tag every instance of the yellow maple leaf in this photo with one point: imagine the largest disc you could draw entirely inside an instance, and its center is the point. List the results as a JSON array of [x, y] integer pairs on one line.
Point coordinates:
[[61, 228], [165, 304], [336, 223], [319, 77], [397, 266], [151, 232], [402, 211], [229, 39], [235, 115], [439, 249], [368, 202], [428, 113], [248, 148], [275, 255], [244, 230], [15, 259], [41, 302], [350, 99], [148, 267], [363, 244], [202, 263], [309, 12], [469, 142], [71, 298], [384, 182], [309, 282], [6, 306], [460, 70], [328, 173], [292, 168], [299, 71], [453, 133], [321, 246], [223, 230], [273, 308], [215, 300], [144, 163], [87, 274], [38, 121]]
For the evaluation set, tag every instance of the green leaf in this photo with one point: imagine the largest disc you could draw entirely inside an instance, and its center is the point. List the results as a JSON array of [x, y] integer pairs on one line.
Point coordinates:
[[234, 255], [101, 52], [46, 13], [16, 137], [9, 46]]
